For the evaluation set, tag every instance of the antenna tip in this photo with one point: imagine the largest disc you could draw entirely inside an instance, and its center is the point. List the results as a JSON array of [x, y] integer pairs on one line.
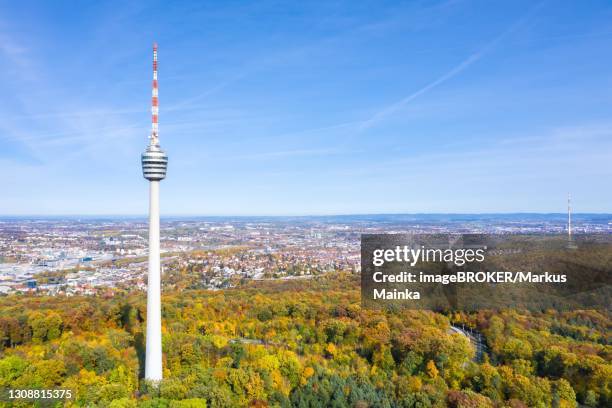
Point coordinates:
[[155, 46]]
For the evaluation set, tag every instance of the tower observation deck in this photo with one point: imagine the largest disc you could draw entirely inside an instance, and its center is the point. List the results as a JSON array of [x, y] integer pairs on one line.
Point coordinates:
[[154, 163]]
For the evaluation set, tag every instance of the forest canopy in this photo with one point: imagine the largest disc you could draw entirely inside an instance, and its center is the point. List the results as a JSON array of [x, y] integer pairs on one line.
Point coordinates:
[[304, 344]]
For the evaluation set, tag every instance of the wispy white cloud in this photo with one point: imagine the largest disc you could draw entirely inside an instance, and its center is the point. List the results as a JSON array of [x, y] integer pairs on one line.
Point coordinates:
[[189, 102], [540, 154], [462, 66], [292, 153], [13, 51], [16, 53]]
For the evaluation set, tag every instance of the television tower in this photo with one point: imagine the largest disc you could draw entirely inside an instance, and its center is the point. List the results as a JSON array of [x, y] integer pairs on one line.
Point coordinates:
[[154, 164]]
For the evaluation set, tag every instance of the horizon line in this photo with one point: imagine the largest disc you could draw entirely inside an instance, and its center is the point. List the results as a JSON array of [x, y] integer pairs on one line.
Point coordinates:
[[144, 215]]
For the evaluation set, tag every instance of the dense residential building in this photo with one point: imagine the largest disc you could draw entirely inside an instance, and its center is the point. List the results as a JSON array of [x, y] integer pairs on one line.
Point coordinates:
[[68, 257]]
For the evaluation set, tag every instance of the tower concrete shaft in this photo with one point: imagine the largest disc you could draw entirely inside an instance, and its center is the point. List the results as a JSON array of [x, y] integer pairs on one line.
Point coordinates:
[[154, 165], [153, 361]]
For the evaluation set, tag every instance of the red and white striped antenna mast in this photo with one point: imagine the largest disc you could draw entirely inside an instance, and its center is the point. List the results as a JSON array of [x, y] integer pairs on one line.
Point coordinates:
[[155, 102]]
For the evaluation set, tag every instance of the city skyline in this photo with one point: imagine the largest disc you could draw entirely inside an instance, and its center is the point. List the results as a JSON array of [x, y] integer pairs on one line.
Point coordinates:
[[436, 107]]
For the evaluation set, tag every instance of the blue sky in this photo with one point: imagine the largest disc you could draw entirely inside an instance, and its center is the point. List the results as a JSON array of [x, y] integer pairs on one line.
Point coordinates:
[[283, 108]]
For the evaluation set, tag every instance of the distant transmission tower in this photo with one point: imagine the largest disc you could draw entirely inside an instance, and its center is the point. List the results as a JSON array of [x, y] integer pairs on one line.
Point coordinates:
[[154, 164], [569, 216], [570, 241]]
